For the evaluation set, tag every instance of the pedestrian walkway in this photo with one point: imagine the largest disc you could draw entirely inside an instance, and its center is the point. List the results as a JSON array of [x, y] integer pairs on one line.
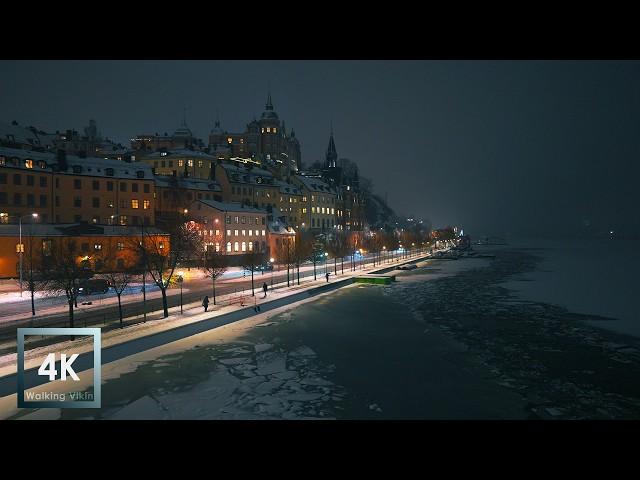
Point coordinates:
[[192, 313]]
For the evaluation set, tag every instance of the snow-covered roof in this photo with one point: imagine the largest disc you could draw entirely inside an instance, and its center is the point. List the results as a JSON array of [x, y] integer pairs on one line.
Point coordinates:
[[240, 174], [288, 188], [58, 229], [232, 207], [19, 134], [180, 153], [21, 155], [91, 166], [315, 184], [278, 228], [188, 182]]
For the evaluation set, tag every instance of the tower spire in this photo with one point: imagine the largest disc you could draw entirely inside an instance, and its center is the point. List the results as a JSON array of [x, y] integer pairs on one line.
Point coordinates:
[[332, 154], [184, 116], [217, 118], [269, 104]]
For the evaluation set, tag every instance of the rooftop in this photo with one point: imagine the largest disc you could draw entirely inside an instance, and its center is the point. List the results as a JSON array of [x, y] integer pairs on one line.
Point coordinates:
[[232, 207], [73, 229]]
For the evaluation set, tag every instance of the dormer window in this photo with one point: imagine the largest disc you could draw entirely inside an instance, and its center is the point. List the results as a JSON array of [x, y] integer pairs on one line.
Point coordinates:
[[109, 172], [28, 163], [140, 173], [275, 130], [3, 161], [77, 169]]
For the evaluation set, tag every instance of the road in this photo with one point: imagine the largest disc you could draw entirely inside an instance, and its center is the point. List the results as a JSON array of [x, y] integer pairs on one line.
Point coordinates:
[[103, 311]]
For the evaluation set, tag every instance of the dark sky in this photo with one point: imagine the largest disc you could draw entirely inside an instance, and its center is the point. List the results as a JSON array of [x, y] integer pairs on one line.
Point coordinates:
[[500, 147]]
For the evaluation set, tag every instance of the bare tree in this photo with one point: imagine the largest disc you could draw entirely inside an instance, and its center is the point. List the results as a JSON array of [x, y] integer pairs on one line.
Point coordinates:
[[215, 264], [162, 259], [339, 248], [250, 261], [286, 255], [118, 268], [35, 280], [61, 270], [302, 250]]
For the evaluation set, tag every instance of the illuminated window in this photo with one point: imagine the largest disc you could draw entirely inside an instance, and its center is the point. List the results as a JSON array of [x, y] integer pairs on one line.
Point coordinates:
[[146, 204], [268, 130], [251, 246], [275, 130], [190, 162], [228, 246], [332, 211], [304, 210], [28, 163], [262, 130], [228, 233], [235, 232], [181, 163], [313, 209], [134, 203], [235, 247], [263, 233], [161, 245], [123, 219], [244, 246], [251, 233], [97, 246], [217, 233], [120, 246], [19, 247], [200, 163], [229, 140]]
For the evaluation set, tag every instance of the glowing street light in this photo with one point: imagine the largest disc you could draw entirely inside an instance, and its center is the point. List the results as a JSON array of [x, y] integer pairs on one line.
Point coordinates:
[[272, 260]]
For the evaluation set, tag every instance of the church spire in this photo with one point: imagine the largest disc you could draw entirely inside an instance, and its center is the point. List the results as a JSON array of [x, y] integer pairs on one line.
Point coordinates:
[[269, 104], [332, 154]]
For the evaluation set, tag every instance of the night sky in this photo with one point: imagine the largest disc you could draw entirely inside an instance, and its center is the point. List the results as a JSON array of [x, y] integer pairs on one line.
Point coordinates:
[[501, 147]]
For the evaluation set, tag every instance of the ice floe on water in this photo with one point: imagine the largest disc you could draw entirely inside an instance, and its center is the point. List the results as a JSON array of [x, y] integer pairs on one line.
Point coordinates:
[[265, 382]]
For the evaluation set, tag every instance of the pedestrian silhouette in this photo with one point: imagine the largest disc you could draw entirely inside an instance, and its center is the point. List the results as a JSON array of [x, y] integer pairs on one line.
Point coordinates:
[[327, 275], [205, 302], [264, 288]]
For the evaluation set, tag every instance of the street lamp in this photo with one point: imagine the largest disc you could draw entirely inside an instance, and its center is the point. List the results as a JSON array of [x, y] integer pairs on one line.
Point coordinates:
[[384, 254], [326, 255], [272, 260], [180, 280], [21, 246]]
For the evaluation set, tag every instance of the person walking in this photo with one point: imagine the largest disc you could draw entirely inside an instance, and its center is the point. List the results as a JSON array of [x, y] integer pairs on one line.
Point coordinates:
[[327, 275], [264, 288], [205, 302]]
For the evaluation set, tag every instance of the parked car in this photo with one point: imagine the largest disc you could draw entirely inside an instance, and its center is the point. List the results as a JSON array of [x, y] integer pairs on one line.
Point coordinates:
[[266, 267], [94, 285]]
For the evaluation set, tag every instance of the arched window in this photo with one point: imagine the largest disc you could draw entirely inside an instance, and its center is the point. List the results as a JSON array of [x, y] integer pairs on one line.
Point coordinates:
[[235, 246], [244, 246], [228, 246], [251, 246]]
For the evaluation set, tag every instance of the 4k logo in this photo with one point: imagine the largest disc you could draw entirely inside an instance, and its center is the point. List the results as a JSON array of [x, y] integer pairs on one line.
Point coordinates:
[[55, 382], [48, 367]]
